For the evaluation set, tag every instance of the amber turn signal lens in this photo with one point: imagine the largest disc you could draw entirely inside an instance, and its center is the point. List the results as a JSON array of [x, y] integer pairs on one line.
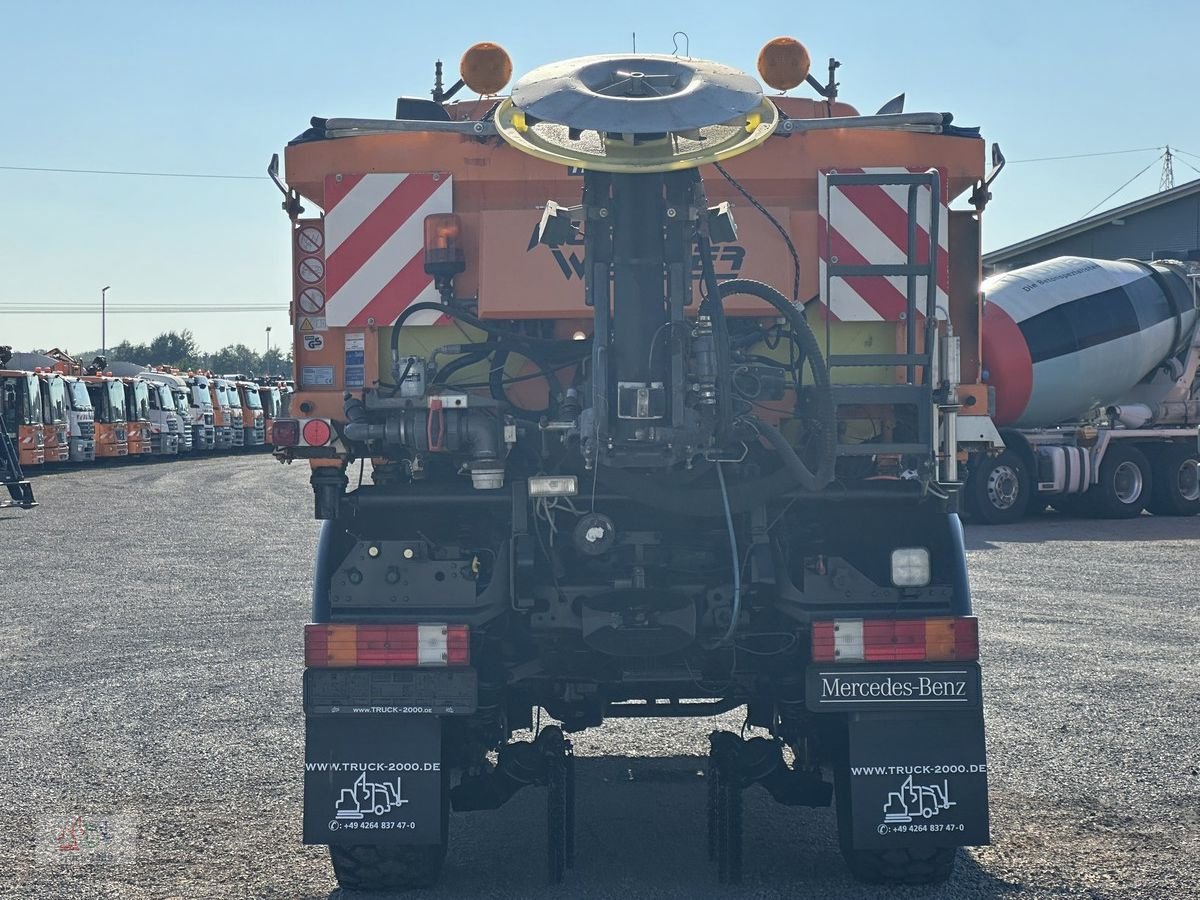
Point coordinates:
[[486, 68], [783, 63]]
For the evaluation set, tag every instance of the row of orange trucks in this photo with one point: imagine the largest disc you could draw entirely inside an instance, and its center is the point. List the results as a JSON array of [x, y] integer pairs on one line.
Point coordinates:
[[56, 409]]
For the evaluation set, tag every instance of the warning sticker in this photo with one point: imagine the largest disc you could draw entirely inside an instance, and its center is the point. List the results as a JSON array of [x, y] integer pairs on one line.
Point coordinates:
[[355, 376], [313, 323], [316, 376], [355, 341]]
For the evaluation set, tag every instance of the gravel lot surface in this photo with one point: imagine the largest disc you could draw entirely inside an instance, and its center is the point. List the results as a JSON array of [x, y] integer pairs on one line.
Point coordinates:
[[150, 676]]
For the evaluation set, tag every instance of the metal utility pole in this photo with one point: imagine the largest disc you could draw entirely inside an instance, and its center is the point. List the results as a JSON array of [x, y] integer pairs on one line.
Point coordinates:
[[267, 356], [103, 310], [1168, 172]]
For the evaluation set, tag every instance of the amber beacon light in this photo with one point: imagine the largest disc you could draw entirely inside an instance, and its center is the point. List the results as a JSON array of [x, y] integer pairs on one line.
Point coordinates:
[[783, 63], [486, 68]]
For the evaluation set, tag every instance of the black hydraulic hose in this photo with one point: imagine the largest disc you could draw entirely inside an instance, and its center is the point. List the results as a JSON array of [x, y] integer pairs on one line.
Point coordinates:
[[716, 311], [475, 321], [811, 353]]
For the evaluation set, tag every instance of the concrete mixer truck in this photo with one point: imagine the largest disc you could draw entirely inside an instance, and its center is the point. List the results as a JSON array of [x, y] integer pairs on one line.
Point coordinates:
[[1092, 366], [636, 453]]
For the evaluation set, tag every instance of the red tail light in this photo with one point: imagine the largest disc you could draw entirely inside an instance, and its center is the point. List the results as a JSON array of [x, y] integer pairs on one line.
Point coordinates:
[[337, 645], [941, 639]]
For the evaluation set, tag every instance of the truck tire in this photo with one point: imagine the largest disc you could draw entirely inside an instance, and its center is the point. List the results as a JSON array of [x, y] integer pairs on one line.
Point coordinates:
[[998, 490], [901, 865], [1125, 484], [1176, 489], [386, 867], [908, 865]]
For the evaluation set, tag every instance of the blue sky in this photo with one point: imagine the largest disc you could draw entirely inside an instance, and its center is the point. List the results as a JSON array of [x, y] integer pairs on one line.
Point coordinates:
[[216, 87]]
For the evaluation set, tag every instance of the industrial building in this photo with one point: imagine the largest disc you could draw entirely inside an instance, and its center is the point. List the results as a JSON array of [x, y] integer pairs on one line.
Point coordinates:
[[1165, 225]]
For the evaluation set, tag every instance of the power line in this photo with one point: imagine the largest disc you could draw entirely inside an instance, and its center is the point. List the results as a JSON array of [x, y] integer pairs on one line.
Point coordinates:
[[139, 174], [1122, 187], [151, 310], [1085, 155]]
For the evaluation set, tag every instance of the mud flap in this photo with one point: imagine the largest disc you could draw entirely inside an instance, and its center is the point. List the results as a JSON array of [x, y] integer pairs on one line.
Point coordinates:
[[914, 780], [373, 780]]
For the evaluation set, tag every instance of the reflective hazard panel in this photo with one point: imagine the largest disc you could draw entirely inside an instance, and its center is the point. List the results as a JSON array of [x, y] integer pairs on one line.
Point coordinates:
[[917, 782], [372, 779], [375, 244], [868, 224]]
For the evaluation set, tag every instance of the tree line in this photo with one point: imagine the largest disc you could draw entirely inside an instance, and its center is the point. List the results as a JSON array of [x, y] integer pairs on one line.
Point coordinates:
[[179, 349]]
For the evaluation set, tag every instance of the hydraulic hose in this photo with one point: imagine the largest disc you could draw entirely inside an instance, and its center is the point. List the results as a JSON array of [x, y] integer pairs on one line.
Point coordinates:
[[811, 353], [474, 321]]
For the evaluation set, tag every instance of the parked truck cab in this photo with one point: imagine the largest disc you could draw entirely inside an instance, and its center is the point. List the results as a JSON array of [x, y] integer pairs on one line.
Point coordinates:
[[237, 415], [56, 426], [222, 414], [253, 417], [272, 404], [108, 400], [137, 416], [179, 396], [201, 412], [21, 410], [165, 424], [81, 420]]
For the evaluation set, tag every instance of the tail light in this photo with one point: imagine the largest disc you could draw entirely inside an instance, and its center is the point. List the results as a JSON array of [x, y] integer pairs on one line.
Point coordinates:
[[945, 639], [285, 432], [336, 645], [444, 254]]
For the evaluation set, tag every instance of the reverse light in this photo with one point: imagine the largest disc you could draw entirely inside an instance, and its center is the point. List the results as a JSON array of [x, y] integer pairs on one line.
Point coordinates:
[[553, 486], [940, 639], [341, 646], [444, 254], [910, 567]]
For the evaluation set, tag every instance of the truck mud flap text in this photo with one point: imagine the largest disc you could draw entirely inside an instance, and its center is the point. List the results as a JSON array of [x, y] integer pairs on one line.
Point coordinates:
[[916, 780], [373, 780]]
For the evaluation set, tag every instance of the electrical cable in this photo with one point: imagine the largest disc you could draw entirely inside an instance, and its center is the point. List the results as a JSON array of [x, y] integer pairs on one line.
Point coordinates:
[[1122, 187], [140, 174], [1083, 155], [787, 239], [733, 549]]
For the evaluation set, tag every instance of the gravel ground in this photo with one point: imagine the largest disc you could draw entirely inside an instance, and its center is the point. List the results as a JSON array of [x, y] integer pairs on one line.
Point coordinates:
[[150, 669]]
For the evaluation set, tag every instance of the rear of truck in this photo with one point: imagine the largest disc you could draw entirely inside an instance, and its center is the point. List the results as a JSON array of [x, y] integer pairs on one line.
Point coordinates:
[[632, 458]]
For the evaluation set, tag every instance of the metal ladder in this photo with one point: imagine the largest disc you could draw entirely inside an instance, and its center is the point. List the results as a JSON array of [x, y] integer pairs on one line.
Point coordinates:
[[917, 388], [11, 476]]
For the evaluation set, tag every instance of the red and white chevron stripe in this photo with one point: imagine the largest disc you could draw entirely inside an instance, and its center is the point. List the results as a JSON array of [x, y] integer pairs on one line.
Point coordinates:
[[375, 245], [868, 225]]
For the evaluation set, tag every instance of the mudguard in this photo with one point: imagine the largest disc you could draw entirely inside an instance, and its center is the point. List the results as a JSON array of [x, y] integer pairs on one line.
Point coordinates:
[[373, 779], [915, 778]]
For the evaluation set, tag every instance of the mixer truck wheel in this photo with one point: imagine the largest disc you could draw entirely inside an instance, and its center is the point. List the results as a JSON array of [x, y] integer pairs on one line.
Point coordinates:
[[998, 490], [1125, 484], [1176, 490]]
